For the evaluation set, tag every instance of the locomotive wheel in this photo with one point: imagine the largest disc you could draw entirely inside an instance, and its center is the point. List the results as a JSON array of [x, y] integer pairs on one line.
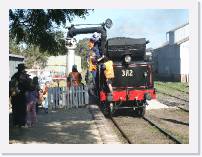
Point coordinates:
[[105, 109], [140, 112]]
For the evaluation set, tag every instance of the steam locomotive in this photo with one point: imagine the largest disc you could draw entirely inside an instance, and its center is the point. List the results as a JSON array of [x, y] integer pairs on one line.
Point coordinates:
[[133, 82]]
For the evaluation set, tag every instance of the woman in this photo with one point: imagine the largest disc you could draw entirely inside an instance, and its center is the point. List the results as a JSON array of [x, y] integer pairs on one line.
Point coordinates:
[[31, 100]]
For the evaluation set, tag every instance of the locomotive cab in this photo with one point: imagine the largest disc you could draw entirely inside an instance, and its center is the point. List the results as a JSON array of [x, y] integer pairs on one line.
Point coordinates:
[[133, 82]]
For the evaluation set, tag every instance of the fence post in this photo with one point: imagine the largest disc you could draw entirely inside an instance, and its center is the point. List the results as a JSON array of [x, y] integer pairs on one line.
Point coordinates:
[[71, 96], [74, 97], [82, 95], [55, 97], [49, 96], [63, 97], [67, 95], [79, 95], [86, 95]]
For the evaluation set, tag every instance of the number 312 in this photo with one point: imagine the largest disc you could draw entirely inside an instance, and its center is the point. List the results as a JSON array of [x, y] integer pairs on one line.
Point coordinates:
[[127, 72]]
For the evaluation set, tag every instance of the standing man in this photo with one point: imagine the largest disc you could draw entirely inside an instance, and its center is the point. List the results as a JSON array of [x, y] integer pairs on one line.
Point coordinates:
[[18, 100]]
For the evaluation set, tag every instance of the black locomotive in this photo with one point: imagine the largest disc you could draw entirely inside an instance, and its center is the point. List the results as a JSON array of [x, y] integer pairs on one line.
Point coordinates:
[[133, 82]]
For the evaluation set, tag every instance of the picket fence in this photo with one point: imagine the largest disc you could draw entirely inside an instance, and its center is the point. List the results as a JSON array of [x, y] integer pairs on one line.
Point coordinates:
[[68, 97]]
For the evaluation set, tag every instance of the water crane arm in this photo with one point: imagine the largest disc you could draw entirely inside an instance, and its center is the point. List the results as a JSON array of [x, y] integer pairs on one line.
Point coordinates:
[[75, 31]]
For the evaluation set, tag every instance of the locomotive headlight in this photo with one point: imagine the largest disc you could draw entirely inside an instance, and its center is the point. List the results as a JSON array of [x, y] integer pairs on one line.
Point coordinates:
[[127, 59], [147, 96], [145, 74]]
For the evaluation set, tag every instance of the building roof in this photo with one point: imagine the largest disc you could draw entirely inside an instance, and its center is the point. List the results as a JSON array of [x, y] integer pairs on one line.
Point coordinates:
[[16, 56], [183, 40], [172, 30]]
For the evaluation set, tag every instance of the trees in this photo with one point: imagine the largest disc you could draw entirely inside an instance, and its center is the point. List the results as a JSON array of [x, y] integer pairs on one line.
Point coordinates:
[[33, 57], [31, 53], [82, 50], [14, 48], [39, 27]]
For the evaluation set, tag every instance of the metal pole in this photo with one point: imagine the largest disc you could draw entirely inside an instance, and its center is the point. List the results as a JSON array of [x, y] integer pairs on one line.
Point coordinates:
[[70, 61]]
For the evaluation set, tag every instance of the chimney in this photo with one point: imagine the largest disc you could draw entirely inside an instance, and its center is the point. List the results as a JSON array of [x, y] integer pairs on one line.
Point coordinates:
[[171, 37]]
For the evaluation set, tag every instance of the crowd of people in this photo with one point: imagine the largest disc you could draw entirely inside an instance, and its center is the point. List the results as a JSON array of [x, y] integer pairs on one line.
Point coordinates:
[[26, 96], [94, 58]]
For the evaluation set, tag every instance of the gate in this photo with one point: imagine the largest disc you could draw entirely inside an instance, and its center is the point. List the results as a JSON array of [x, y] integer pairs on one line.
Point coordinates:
[[68, 97]]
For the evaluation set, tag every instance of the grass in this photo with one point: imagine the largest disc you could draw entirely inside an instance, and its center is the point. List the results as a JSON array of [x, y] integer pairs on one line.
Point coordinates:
[[171, 87]]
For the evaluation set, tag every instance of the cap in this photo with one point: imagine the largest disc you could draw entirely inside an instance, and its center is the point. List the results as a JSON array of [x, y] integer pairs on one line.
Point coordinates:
[[21, 66], [74, 66], [95, 37]]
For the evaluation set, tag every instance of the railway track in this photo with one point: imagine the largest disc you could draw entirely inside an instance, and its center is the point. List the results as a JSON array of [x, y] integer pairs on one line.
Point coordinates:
[[168, 138], [183, 109], [163, 131], [121, 131], [181, 102], [172, 96], [176, 104]]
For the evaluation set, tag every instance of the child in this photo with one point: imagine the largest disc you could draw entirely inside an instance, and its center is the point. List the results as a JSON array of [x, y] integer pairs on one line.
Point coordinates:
[[45, 96], [40, 98]]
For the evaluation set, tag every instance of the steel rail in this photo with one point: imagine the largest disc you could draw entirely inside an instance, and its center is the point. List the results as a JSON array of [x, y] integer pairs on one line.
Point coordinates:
[[163, 131], [181, 108], [171, 96], [121, 131], [176, 105]]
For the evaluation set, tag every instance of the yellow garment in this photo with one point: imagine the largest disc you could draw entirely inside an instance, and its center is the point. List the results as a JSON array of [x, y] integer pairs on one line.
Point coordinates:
[[92, 67], [109, 71]]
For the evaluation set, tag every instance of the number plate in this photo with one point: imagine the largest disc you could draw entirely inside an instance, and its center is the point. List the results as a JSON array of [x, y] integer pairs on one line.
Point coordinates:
[[127, 73]]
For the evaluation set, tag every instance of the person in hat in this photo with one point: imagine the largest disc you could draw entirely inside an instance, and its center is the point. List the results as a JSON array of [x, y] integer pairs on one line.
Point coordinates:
[[94, 44], [18, 100], [74, 77], [21, 70], [94, 54]]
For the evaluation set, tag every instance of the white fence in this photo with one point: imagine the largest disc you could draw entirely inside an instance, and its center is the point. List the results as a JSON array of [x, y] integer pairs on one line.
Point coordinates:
[[63, 97]]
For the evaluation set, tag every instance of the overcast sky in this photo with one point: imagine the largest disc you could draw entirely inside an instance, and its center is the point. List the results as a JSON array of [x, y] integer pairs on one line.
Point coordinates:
[[150, 24]]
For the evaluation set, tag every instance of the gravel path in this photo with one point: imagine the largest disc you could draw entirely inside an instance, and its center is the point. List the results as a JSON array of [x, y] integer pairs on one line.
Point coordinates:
[[74, 126]]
